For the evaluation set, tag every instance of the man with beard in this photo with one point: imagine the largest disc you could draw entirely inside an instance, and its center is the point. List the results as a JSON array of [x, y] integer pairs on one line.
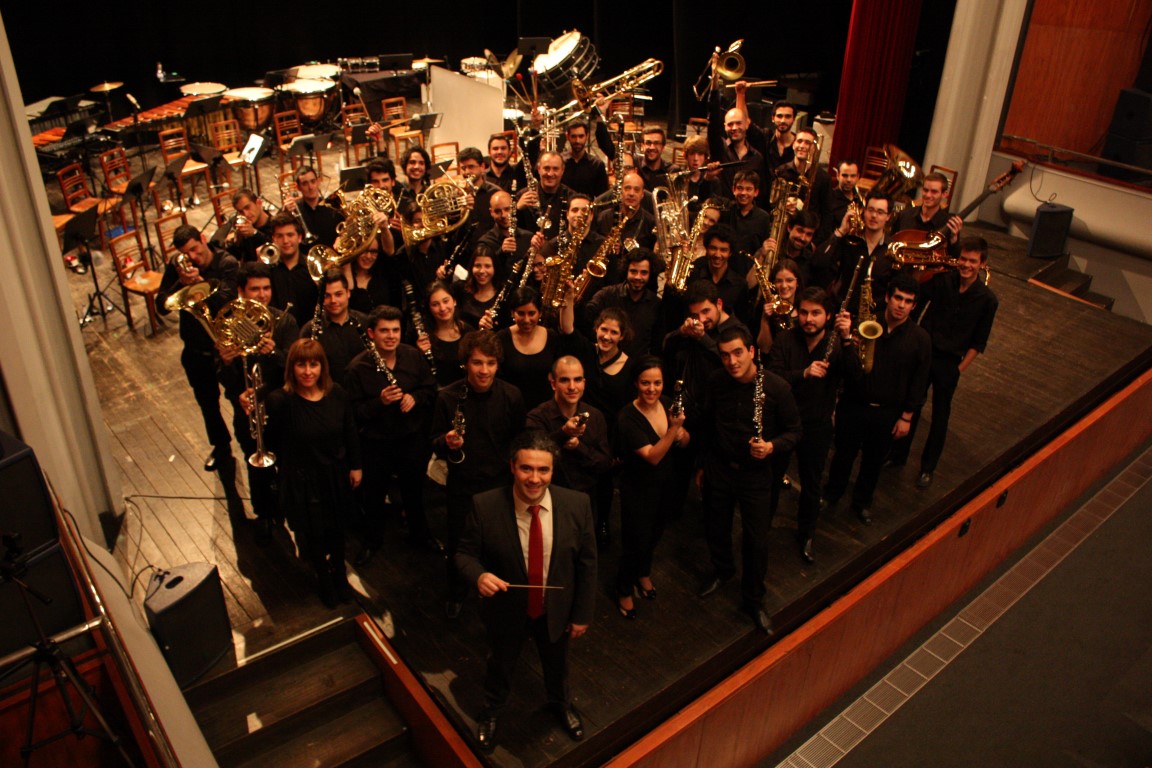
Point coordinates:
[[654, 170], [320, 218], [798, 245], [503, 174], [799, 171], [717, 268], [550, 202], [931, 215], [506, 243], [583, 172], [813, 365], [834, 262], [777, 147], [638, 231], [841, 196], [734, 125], [636, 299]]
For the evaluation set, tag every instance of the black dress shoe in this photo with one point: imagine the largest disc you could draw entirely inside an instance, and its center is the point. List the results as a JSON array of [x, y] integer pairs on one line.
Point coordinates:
[[364, 557], [571, 723], [486, 734], [452, 609], [924, 480], [806, 551], [892, 463], [864, 515], [763, 621], [210, 463], [647, 594], [711, 587]]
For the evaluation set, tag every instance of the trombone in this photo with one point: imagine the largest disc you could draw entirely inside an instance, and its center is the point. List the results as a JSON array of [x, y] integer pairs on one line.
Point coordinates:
[[727, 65]]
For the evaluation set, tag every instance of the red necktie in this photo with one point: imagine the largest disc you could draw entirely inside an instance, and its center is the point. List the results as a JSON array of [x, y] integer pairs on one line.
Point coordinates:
[[535, 564]]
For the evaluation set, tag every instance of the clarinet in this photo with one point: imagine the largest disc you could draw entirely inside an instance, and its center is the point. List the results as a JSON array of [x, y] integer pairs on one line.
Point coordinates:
[[461, 247], [318, 319], [831, 344], [458, 421], [758, 401], [370, 345], [418, 322], [495, 308]]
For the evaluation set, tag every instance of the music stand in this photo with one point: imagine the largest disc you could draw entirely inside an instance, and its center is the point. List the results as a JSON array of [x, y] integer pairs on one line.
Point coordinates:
[[425, 122], [396, 62], [353, 179], [202, 107], [172, 172], [360, 136], [255, 149], [211, 157], [136, 189], [80, 230], [306, 145]]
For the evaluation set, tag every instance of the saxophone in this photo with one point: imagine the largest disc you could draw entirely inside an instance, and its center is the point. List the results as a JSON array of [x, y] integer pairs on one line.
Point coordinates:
[[766, 263], [597, 266], [680, 265], [673, 235], [553, 291], [868, 329]]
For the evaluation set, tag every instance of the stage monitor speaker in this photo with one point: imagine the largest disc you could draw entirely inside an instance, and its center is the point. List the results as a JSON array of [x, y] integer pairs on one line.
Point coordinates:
[[1049, 238], [31, 552], [1132, 118], [186, 611]]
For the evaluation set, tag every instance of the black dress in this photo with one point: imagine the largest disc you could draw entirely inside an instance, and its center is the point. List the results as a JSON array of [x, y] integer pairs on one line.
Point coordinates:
[[530, 372], [645, 498], [469, 309], [447, 356], [316, 444]]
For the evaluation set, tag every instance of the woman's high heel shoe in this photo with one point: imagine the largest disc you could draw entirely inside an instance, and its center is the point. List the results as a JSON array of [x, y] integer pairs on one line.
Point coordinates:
[[647, 594], [628, 613]]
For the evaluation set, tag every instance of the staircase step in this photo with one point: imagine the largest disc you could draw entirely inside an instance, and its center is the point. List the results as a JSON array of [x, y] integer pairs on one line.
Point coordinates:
[[1070, 281], [253, 716], [1099, 299], [270, 663], [371, 734]]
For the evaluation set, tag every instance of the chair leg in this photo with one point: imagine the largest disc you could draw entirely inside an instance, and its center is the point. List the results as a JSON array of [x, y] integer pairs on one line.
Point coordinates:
[[153, 320], [127, 306]]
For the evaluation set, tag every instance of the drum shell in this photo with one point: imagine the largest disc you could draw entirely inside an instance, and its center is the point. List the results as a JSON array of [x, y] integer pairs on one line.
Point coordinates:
[[252, 107]]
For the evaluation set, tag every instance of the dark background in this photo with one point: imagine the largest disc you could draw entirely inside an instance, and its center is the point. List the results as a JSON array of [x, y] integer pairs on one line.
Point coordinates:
[[59, 53]]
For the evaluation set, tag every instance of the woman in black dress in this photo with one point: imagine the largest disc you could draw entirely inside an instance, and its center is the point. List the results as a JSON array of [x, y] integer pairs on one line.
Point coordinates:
[[786, 278], [444, 333], [646, 435], [312, 430], [529, 349], [369, 281], [478, 293]]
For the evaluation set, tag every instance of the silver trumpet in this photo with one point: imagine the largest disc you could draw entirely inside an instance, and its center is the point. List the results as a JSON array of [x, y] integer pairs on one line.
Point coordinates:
[[258, 418]]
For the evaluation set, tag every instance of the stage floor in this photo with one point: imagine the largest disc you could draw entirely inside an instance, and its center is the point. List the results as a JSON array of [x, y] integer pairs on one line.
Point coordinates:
[[1049, 359]]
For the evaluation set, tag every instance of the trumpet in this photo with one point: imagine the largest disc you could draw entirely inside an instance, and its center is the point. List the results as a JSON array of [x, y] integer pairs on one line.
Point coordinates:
[[289, 191], [268, 254], [257, 418]]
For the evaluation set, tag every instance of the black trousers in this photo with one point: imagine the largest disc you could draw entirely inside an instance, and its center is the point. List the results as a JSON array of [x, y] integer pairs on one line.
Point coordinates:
[[943, 378], [408, 462], [811, 456], [864, 430], [506, 641], [724, 488], [200, 369], [261, 481], [459, 506]]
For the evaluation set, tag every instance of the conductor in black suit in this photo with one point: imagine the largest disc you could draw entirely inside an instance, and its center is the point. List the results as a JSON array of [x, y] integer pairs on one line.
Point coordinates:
[[531, 534]]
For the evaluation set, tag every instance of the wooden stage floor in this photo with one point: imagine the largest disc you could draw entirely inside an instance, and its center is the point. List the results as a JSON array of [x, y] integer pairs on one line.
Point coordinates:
[[1049, 359]]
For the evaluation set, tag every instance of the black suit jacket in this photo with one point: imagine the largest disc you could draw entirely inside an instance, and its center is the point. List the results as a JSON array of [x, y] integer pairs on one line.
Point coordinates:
[[491, 543]]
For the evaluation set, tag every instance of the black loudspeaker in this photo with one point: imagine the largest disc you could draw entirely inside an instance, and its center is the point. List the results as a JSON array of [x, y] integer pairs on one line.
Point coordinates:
[[186, 611], [31, 552], [1049, 238], [1132, 118]]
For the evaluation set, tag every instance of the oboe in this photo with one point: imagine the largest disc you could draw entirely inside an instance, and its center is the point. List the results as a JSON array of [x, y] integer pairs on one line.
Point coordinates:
[[418, 322]]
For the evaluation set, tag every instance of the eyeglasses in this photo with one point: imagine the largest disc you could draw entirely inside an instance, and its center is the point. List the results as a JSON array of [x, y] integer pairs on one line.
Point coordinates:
[[877, 211]]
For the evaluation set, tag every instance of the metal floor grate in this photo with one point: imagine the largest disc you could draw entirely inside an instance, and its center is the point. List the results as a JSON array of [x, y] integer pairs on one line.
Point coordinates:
[[869, 712]]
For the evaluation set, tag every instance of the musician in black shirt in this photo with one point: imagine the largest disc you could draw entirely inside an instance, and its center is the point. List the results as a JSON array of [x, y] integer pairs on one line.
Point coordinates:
[[813, 364], [473, 423], [251, 228], [931, 215], [734, 126], [748, 415], [198, 358], [320, 218], [654, 170], [503, 174], [750, 224], [958, 314], [549, 201], [583, 172], [877, 407], [392, 393], [340, 330], [291, 281]]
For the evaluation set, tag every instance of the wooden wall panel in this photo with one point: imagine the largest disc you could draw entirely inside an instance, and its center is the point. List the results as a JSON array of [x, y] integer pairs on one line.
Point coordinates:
[[1076, 58], [760, 706]]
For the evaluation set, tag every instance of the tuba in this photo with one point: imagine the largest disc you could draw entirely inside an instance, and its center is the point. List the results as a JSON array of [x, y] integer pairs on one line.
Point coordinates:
[[445, 208]]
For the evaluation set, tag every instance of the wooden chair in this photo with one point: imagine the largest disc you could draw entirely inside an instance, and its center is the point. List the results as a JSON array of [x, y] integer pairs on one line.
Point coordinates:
[[395, 108], [117, 171], [222, 207], [351, 116], [173, 144], [229, 142], [165, 227], [135, 278], [77, 199], [953, 177], [287, 126], [445, 151], [401, 141], [678, 157]]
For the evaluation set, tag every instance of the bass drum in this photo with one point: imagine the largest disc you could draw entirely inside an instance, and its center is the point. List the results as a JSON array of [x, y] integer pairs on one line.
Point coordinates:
[[313, 98], [569, 56], [252, 107]]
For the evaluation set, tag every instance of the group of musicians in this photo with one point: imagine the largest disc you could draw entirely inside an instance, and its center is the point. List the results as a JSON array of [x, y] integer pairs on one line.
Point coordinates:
[[436, 347]]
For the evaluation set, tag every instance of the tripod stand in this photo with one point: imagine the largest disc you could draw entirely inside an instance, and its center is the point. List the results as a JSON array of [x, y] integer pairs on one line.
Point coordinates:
[[46, 652], [81, 230], [136, 189]]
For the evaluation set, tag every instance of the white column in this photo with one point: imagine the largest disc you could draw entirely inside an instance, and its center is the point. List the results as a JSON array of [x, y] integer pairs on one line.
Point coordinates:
[[973, 90], [42, 359]]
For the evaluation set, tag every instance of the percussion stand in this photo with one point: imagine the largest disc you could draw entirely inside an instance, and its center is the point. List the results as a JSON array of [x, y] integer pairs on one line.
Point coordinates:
[[46, 652]]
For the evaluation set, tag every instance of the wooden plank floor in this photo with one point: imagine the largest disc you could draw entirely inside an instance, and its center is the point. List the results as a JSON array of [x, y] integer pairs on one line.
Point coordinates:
[[1048, 358]]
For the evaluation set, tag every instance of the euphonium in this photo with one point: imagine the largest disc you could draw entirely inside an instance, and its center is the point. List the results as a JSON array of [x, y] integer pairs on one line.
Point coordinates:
[[901, 175], [868, 329], [445, 208], [597, 266]]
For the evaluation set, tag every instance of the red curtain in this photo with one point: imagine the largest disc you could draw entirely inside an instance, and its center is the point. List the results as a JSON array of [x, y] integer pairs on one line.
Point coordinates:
[[877, 61]]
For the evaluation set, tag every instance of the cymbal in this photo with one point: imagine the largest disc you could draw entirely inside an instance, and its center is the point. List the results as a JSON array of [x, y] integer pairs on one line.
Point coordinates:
[[427, 61], [511, 64], [105, 87]]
